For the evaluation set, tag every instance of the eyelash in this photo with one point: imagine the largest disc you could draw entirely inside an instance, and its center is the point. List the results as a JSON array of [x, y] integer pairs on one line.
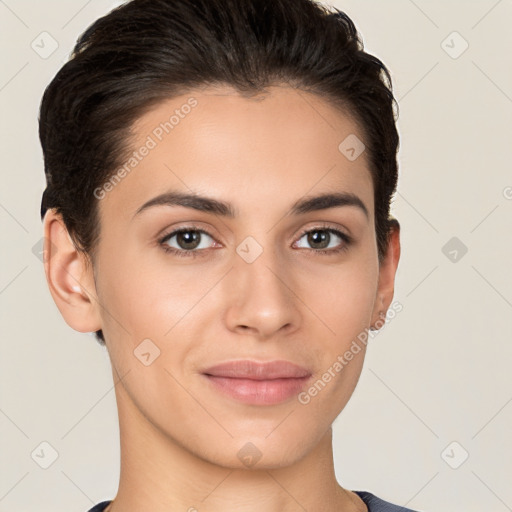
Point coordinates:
[[182, 253]]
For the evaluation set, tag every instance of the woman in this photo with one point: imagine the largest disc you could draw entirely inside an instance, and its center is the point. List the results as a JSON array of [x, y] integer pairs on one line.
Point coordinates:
[[219, 178]]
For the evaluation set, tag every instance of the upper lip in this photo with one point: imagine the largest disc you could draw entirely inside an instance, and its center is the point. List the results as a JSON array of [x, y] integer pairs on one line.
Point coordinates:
[[256, 370]]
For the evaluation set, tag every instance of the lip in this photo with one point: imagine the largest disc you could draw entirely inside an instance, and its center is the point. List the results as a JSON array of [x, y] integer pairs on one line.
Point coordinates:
[[258, 370], [258, 383]]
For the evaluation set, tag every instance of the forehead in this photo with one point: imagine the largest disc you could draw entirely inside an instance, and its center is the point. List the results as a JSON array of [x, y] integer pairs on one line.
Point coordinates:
[[267, 149]]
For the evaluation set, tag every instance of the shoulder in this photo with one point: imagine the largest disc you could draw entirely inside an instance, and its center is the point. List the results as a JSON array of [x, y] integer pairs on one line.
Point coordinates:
[[100, 507], [376, 504]]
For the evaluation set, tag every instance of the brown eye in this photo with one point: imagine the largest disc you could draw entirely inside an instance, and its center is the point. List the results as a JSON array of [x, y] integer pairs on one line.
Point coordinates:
[[319, 239], [186, 240], [323, 240]]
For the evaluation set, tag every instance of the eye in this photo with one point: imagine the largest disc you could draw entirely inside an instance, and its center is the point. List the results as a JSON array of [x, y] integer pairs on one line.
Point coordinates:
[[185, 241], [323, 240], [191, 241]]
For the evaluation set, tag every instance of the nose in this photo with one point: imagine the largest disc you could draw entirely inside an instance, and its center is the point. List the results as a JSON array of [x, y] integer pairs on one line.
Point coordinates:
[[262, 300]]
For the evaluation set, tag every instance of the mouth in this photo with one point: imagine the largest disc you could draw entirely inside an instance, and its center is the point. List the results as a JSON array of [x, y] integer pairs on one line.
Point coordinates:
[[258, 383]]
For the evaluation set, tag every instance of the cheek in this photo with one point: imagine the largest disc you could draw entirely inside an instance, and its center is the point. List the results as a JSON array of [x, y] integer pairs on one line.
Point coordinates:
[[342, 297], [158, 302], [144, 296], [145, 312]]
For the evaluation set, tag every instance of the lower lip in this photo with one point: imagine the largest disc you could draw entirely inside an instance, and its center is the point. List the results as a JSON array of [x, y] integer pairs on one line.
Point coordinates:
[[259, 392]]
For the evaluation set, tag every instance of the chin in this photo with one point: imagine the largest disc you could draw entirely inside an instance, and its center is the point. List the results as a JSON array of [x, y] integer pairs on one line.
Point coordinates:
[[256, 452]]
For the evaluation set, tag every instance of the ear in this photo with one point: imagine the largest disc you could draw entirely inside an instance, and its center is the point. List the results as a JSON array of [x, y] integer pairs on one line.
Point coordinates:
[[69, 275], [387, 272]]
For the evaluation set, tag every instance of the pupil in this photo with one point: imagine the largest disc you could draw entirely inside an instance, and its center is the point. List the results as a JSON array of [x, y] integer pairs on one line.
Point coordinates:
[[188, 239], [319, 237]]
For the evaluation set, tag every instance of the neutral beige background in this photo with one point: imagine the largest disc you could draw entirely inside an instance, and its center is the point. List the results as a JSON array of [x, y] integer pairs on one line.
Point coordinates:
[[438, 373]]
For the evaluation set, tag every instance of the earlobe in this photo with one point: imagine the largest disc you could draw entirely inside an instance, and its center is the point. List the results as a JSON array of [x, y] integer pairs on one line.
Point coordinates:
[[387, 273], [69, 276]]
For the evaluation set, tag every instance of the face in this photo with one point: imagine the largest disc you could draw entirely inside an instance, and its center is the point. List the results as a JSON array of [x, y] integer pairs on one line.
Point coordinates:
[[253, 279]]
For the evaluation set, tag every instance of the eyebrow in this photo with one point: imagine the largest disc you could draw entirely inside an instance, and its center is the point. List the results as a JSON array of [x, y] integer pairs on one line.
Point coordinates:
[[210, 205]]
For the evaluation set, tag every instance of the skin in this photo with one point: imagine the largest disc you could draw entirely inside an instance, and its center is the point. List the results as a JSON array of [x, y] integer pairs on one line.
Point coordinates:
[[180, 437]]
